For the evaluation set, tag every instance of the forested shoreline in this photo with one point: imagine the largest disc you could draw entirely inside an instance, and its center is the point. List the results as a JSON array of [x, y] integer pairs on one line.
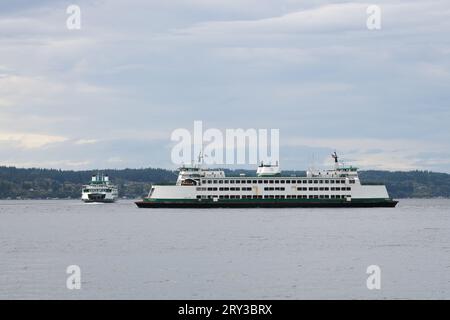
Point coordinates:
[[33, 183]]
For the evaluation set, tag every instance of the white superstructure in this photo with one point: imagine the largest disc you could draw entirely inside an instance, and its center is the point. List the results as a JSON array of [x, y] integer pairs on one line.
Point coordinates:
[[336, 186]]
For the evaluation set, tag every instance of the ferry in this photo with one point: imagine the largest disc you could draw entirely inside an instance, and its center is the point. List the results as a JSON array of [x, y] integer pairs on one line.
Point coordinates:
[[99, 190], [208, 188]]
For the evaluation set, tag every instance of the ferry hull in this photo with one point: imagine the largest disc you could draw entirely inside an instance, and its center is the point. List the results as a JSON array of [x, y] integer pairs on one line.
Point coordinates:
[[97, 198], [363, 203], [99, 201]]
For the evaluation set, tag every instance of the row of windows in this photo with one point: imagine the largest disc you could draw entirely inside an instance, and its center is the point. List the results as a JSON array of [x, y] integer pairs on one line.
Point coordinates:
[[97, 190], [275, 181], [224, 189], [324, 189], [304, 196], [274, 189]]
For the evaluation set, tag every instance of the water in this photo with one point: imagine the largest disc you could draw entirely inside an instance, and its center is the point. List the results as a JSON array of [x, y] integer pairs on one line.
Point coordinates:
[[130, 253]]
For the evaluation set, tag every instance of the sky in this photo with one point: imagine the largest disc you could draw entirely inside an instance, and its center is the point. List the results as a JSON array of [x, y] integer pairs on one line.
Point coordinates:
[[110, 94]]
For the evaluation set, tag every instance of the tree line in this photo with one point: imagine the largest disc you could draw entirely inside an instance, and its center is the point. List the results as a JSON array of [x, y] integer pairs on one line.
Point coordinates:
[[34, 183]]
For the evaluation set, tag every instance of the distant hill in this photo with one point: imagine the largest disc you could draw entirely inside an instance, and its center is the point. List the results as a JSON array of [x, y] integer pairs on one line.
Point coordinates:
[[17, 183]]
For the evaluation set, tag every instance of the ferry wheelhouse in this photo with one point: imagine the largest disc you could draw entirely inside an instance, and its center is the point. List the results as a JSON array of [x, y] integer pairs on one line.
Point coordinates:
[[205, 188], [99, 190]]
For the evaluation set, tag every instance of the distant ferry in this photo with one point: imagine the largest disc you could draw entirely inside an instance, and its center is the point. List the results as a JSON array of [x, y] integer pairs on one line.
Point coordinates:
[[207, 188], [99, 190]]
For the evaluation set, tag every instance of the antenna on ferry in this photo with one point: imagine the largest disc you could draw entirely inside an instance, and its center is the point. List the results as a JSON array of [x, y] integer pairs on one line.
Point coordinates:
[[335, 157], [200, 158]]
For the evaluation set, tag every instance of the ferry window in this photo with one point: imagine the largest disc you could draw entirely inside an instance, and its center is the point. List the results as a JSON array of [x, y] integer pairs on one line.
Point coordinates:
[[299, 181], [226, 197], [220, 181], [220, 197], [198, 189], [255, 181], [310, 196], [305, 181], [231, 181], [321, 189], [331, 181], [321, 196], [225, 181], [352, 181], [310, 181], [215, 181], [270, 181], [209, 181], [299, 189], [249, 181], [238, 181], [265, 181], [332, 188], [282, 181], [259, 181], [310, 189], [316, 189], [326, 188], [327, 196], [277, 181], [316, 181], [327, 181], [199, 197], [320, 181]]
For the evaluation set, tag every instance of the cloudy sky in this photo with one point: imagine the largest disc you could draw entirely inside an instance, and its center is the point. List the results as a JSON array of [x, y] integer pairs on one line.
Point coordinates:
[[110, 94]]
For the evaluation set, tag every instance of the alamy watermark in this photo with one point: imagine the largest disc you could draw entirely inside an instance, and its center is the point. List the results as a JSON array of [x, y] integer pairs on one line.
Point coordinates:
[[235, 146], [374, 19], [374, 279], [73, 282], [73, 22]]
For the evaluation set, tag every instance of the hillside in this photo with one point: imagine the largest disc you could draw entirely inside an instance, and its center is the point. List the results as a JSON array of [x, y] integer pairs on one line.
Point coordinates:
[[16, 183]]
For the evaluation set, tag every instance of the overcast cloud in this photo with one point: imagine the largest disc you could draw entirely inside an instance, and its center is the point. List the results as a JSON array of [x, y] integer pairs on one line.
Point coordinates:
[[109, 95]]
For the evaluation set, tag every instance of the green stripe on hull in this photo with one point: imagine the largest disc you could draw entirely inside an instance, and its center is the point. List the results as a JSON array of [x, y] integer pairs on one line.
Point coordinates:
[[260, 203]]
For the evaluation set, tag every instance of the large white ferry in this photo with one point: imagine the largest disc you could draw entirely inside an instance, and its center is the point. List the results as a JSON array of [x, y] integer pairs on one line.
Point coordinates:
[[99, 190], [205, 188]]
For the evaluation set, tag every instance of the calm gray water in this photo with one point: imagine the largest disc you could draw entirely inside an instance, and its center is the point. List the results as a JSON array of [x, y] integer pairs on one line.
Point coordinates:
[[130, 253]]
